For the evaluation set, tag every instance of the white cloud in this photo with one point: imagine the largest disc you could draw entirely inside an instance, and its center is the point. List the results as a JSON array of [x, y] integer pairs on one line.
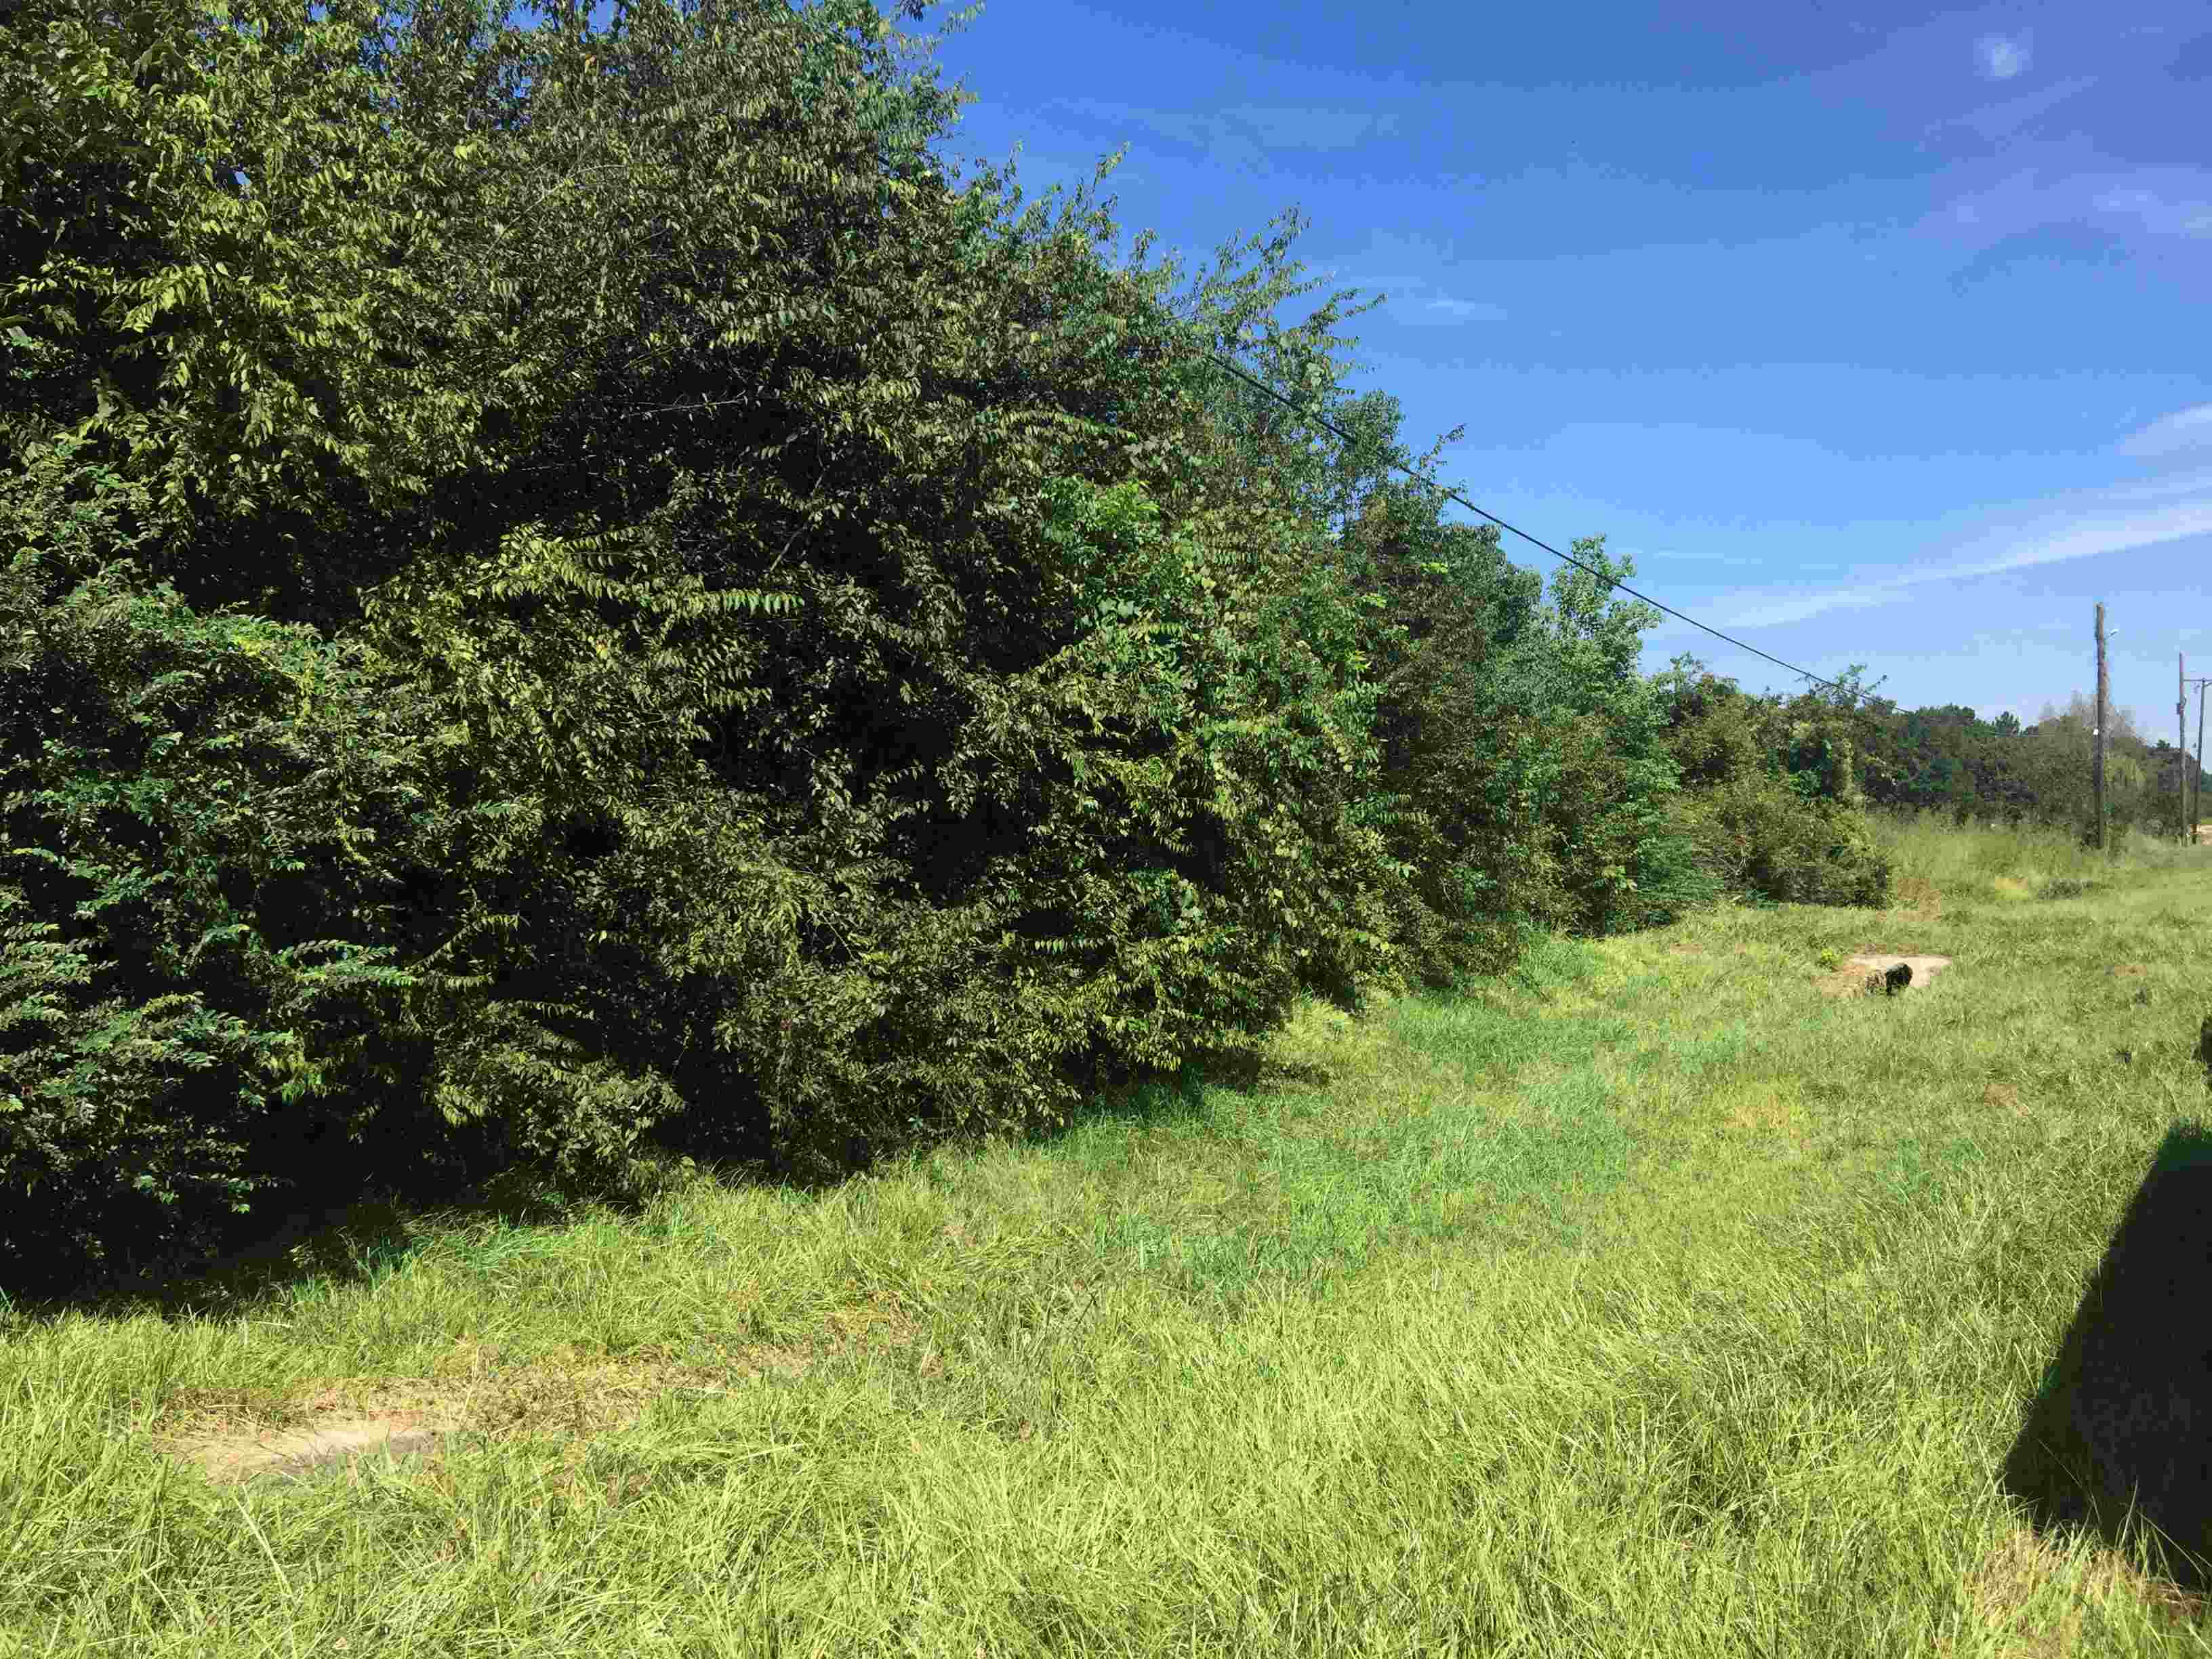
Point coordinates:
[[2170, 434], [2001, 120], [2087, 537], [2056, 540], [2154, 201], [1458, 311], [2180, 215], [2152, 489], [2002, 56]]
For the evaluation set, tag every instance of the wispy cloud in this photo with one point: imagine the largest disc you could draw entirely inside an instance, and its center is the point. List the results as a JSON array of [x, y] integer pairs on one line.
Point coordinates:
[[2162, 488], [2172, 434], [2185, 211], [2083, 534], [1444, 308], [2001, 120], [2156, 201], [2113, 520], [2000, 57]]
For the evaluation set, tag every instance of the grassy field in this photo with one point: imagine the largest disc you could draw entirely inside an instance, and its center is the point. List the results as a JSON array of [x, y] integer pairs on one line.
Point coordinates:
[[1661, 1300]]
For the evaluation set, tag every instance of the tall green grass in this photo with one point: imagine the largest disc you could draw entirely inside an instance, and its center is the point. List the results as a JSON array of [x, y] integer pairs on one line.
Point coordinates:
[[1652, 1300]]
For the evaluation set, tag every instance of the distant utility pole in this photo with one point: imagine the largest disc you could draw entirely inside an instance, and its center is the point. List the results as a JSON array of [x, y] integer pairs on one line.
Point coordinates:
[[2181, 740], [2197, 767], [2097, 763]]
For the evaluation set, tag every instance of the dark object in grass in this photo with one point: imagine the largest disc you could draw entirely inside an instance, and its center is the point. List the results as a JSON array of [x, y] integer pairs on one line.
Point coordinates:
[[1897, 979], [2204, 1048], [2120, 1415]]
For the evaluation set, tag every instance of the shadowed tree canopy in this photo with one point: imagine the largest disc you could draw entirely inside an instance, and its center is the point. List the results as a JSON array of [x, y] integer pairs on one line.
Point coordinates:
[[604, 605], [689, 663]]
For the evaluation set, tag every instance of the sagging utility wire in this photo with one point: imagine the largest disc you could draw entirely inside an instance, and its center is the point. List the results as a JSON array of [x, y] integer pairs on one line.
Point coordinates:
[[1608, 581]]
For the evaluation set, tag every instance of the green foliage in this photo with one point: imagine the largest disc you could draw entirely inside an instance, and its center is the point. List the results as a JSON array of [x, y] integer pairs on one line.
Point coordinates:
[[257, 358], [730, 646], [188, 830], [1433, 601], [1200, 860], [1574, 757], [1763, 839], [744, 915], [1772, 801], [1949, 760], [502, 1028]]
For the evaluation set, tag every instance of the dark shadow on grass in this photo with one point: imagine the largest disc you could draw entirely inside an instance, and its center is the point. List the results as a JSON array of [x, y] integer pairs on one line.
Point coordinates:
[[349, 1231], [328, 1235], [1157, 1098], [2119, 1438]]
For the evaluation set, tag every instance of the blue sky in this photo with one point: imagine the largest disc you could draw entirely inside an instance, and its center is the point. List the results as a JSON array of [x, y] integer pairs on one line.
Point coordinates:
[[1872, 334]]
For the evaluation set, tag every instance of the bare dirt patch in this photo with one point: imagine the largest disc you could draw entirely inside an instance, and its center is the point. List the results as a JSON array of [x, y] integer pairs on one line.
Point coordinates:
[[234, 1436]]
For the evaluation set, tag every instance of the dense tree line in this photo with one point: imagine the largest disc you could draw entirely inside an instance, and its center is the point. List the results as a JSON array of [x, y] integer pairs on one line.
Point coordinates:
[[1950, 760], [554, 629]]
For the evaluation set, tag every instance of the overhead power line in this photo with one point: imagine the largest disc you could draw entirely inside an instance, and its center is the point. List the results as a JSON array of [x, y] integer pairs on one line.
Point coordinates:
[[1608, 581]]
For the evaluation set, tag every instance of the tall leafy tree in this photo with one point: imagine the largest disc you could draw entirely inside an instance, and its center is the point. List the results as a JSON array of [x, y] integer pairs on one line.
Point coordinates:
[[708, 806], [641, 613], [1298, 423]]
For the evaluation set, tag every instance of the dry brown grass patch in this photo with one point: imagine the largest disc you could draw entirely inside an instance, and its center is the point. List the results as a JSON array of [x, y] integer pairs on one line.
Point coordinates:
[[233, 1434], [2010, 1577], [1917, 893]]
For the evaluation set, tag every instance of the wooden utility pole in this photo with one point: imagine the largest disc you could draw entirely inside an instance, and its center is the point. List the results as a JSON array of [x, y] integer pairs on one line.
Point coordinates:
[[2181, 744], [2097, 761]]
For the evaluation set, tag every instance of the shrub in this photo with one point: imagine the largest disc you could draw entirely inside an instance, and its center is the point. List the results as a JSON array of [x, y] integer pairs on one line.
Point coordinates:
[[1771, 799], [170, 834], [1760, 838]]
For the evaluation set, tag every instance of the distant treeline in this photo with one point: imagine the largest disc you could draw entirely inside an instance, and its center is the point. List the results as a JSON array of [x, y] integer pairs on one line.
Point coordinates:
[[1951, 760]]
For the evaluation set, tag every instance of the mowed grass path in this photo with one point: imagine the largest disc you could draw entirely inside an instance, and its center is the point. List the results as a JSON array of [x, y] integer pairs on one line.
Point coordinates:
[[1653, 1301]]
